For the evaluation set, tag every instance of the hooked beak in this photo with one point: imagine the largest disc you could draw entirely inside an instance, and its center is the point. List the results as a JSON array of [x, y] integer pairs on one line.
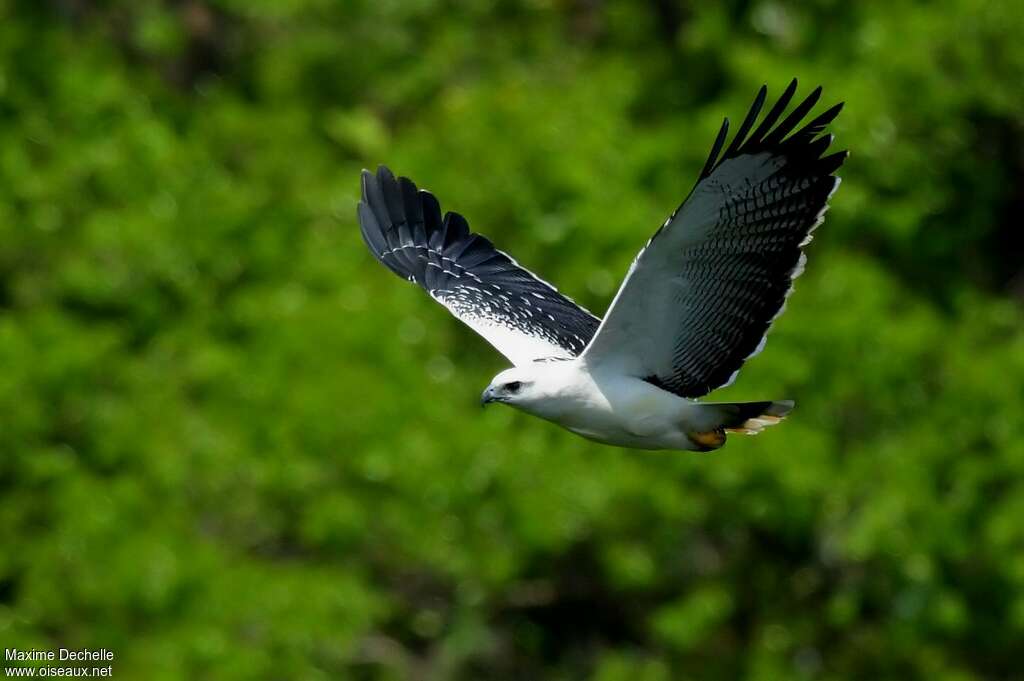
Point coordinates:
[[487, 397]]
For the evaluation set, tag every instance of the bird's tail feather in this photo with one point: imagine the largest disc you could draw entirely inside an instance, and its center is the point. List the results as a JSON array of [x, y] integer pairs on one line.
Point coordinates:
[[748, 418]]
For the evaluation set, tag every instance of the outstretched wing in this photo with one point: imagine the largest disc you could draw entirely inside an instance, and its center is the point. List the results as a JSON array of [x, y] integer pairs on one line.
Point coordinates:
[[522, 316], [698, 300]]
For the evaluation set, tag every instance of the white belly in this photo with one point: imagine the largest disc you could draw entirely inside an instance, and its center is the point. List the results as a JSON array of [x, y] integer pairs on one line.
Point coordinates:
[[622, 411]]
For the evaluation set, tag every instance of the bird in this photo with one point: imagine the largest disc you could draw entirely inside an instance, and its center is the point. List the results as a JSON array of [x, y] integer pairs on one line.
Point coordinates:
[[695, 304]]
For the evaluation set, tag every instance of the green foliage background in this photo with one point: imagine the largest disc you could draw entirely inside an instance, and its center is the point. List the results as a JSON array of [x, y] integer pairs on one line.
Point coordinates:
[[233, 446]]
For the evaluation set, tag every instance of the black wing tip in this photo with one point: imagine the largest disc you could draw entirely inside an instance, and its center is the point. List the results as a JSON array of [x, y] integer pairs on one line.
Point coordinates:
[[774, 136], [395, 216], [387, 211], [748, 121], [377, 186], [716, 148], [375, 178], [827, 165], [365, 178], [404, 229]]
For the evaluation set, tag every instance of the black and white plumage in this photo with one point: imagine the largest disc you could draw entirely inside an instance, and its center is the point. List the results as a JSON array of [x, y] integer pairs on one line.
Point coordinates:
[[695, 304], [522, 316]]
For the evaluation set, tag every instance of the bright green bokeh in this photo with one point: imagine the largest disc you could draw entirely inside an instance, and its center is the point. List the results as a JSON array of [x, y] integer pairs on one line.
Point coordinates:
[[233, 446]]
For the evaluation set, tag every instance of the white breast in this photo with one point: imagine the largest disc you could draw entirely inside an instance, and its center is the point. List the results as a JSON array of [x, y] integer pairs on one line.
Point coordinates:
[[612, 408]]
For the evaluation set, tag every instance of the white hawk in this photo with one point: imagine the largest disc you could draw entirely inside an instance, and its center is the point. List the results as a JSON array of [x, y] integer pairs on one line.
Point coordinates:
[[695, 305]]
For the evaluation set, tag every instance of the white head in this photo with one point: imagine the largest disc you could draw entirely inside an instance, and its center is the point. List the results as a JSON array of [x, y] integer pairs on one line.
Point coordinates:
[[524, 387]]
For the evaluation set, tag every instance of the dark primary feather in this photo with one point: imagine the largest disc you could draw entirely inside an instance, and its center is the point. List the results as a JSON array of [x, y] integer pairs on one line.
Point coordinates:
[[403, 228], [765, 138], [745, 270], [717, 273]]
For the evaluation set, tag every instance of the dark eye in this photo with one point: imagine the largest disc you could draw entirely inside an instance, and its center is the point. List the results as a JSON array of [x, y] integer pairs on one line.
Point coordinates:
[[513, 387]]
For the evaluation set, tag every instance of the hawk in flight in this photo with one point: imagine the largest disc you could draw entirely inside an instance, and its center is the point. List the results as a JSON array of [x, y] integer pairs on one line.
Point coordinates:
[[695, 305]]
